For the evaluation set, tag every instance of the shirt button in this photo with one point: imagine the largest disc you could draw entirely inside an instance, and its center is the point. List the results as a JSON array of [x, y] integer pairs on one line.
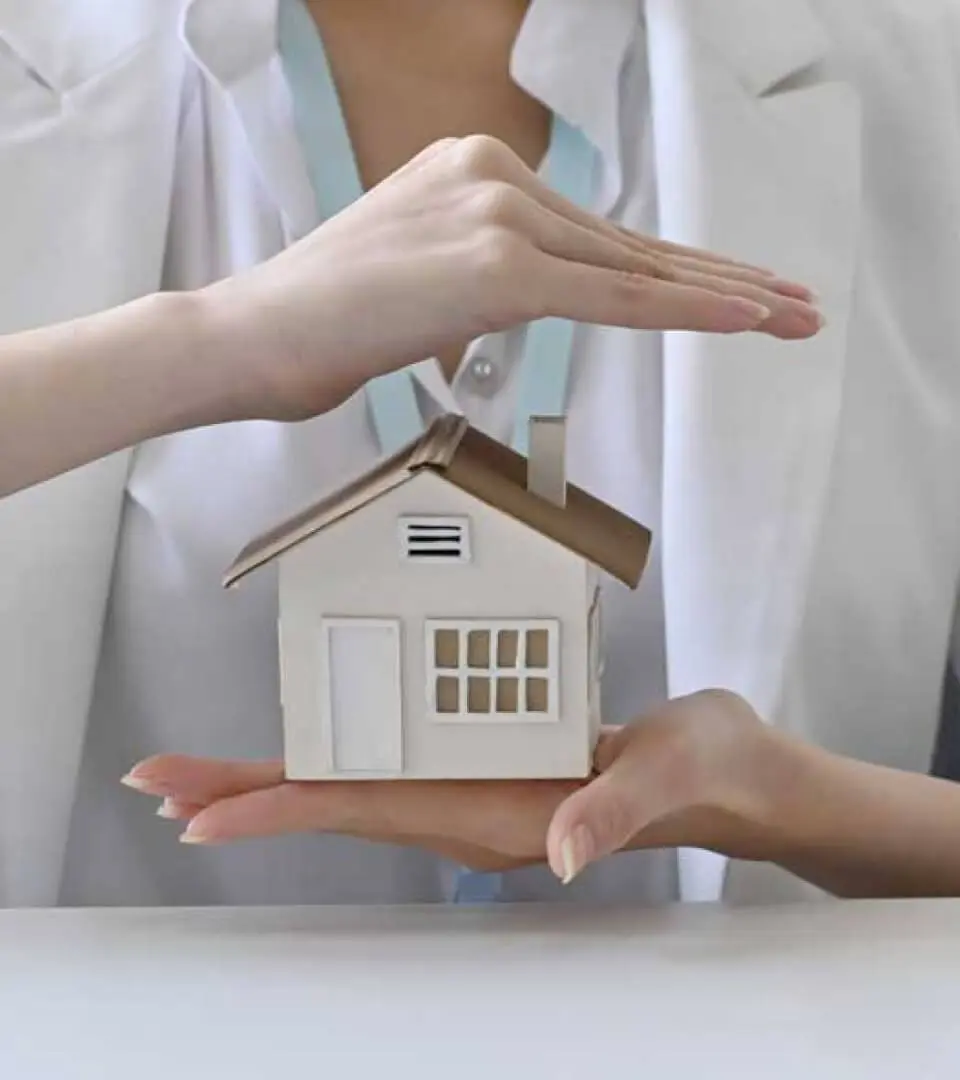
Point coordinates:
[[484, 374]]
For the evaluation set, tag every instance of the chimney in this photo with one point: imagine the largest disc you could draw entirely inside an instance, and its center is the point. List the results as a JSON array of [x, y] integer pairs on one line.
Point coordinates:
[[546, 459]]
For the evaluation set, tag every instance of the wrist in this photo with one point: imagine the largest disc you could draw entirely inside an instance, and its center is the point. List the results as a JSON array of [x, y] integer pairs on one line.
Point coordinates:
[[282, 365], [173, 369], [224, 353], [723, 765], [778, 797], [736, 770]]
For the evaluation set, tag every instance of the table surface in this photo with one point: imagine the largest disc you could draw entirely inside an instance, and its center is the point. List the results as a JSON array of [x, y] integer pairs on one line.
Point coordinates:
[[829, 990]]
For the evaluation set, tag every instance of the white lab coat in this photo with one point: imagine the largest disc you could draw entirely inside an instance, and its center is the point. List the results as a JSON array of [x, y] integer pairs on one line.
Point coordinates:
[[811, 517]]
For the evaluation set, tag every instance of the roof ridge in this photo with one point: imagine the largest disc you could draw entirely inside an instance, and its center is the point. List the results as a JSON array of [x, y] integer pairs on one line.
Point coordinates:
[[488, 470]]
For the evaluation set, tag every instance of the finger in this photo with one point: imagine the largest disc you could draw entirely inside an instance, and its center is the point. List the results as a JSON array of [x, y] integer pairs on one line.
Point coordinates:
[[564, 239], [176, 810], [732, 272], [368, 808], [590, 294], [495, 816], [486, 158], [611, 744], [789, 318], [201, 780], [703, 255], [530, 183], [244, 818], [512, 213], [641, 786]]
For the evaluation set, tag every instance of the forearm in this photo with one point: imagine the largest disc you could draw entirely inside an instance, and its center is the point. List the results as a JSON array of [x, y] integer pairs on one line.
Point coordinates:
[[860, 830], [849, 827], [75, 392]]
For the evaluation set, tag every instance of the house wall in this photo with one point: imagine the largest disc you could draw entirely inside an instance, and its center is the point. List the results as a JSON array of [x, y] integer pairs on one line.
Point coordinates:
[[354, 568], [594, 617]]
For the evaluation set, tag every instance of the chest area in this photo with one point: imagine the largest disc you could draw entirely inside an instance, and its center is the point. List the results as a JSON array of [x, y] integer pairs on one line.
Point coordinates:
[[409, 74]]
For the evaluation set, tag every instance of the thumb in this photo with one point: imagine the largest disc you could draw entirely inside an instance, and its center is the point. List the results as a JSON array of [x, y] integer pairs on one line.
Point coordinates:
[[637, 789]]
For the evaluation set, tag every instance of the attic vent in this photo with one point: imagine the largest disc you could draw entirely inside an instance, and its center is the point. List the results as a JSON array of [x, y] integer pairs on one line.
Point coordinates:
[[435, 539]]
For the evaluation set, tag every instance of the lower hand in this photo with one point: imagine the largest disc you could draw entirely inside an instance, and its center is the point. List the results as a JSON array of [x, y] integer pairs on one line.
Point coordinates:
[[691, 774], [466, 240]]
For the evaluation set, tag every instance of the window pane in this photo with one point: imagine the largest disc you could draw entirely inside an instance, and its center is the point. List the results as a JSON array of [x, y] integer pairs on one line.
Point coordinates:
[[478, 695], [508, 695], [446, 649], [537, 695], [478, 649], [537, 648], [448, 695], [507, 642]]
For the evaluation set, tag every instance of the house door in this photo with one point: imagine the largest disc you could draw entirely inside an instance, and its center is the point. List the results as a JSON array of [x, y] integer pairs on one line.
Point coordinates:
[[364, 694]]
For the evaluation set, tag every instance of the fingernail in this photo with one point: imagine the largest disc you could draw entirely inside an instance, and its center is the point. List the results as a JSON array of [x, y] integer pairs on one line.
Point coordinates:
[[193, 836], [756, 313], [167, 809], [794, 289], [811, 319], [134, 782], [576, 850]]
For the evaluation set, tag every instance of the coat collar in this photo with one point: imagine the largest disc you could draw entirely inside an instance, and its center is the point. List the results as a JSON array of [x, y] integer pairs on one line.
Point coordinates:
[[231, 39], [764, 44], [64, 45], [568, 55], [234, 44]]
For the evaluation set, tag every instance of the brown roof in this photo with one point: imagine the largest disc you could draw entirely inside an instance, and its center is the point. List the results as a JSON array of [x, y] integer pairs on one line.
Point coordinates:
[[492, 473]]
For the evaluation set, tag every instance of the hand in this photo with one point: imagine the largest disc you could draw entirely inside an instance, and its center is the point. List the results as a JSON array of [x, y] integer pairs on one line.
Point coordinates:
[[462, 241], [691, 774]]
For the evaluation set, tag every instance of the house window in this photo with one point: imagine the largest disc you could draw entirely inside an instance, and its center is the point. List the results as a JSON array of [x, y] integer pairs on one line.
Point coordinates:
[[493, 670], [435, 539]]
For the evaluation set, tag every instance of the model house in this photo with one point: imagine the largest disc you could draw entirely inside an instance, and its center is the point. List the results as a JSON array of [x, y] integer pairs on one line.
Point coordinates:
[[439, 617]]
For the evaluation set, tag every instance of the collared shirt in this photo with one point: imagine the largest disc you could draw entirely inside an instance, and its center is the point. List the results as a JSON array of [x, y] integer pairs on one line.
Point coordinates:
[[184, 666]]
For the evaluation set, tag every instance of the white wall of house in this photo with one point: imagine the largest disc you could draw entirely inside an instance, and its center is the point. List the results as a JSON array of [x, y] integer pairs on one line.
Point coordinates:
[[594, 603], [356, 568]]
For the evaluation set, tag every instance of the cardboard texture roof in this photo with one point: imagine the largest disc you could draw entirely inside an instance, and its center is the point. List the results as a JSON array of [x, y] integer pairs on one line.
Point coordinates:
[[491, 472]]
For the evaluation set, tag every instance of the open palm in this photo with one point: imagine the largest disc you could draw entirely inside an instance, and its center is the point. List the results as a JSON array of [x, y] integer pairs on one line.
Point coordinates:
[[679, 777]]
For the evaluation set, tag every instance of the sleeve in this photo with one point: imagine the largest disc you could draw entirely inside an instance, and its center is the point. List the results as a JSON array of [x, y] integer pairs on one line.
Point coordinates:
[[946, 757], [86, 189]]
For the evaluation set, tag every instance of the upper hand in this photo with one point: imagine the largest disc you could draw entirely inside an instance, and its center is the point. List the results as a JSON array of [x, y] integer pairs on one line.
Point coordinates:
[[466, 240], [688, 775]]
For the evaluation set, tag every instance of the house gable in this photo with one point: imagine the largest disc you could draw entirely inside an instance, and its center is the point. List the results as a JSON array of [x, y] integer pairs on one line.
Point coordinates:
[[494, 475], [428, 527]]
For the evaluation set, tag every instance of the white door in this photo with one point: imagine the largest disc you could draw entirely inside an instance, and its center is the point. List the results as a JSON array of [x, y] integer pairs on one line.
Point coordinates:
[[364, 694]]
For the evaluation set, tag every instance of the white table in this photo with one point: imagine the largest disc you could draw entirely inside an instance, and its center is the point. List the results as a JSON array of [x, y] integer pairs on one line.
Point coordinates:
[[828, 992]]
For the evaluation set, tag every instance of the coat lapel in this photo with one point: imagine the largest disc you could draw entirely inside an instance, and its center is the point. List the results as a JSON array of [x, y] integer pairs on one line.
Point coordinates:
[[758, 151], [234, 43], [758, 157], [44, 34], [570, 56]]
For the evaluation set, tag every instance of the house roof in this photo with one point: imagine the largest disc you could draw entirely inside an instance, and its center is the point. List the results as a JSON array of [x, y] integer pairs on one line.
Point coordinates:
[[491, 472]]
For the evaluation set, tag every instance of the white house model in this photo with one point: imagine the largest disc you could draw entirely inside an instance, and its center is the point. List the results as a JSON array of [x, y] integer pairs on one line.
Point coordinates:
[[439, 617]]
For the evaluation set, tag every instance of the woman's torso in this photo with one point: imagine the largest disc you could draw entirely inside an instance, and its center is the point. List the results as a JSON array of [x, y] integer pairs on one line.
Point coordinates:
[[185, 666], [92, 171]]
